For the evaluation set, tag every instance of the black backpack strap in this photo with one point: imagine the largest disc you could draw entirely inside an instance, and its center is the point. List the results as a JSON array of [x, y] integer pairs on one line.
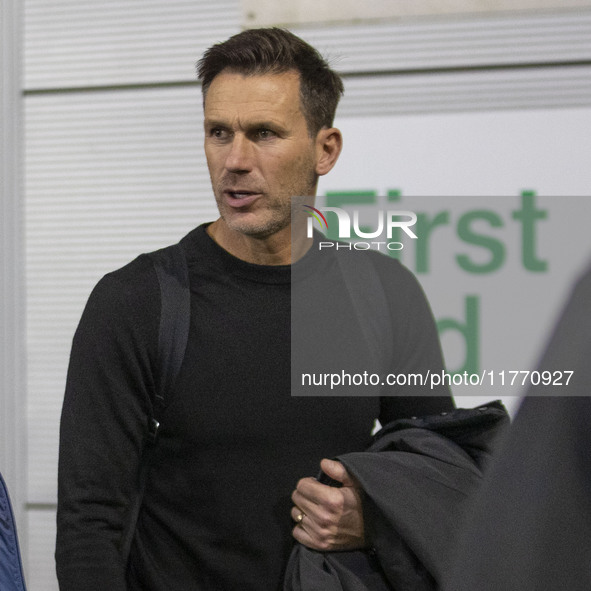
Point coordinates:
[[171, 269]]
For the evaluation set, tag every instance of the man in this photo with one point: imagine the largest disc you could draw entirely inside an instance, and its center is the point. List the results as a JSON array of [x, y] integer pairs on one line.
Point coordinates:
[[217, 511]]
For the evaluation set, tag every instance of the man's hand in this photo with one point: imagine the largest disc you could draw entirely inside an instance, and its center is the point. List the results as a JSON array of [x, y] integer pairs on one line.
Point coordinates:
[[328, 518]]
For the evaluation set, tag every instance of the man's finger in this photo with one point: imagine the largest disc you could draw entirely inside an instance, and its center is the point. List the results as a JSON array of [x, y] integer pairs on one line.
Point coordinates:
[[310, 491], [336, 471], [297, 515]]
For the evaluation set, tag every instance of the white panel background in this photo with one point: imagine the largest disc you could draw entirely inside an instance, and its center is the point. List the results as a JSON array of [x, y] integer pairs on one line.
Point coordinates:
[[444, 92], [80, 43], [258, 13], [463, 41], [114, 164]]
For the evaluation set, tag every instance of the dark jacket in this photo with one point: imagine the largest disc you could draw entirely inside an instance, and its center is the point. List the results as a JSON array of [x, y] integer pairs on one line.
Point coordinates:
[[11, 568], [419, 476]]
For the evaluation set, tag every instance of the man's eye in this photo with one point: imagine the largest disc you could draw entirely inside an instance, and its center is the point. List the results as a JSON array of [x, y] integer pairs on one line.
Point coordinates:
[[218, 133], [265, 134]]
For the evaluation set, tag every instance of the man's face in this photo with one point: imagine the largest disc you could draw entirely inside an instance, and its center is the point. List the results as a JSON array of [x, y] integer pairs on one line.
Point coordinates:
[[258, 148]]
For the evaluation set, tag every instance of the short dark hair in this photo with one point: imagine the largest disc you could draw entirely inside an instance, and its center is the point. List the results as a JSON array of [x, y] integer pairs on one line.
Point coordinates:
[[275, 51]]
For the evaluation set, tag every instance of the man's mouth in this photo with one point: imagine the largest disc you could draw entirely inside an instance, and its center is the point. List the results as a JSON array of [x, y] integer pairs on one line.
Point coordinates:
[[241, 198], [240, 194]]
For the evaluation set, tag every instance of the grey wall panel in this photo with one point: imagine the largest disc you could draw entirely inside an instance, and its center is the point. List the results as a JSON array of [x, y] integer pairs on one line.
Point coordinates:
[[331, 12], [459, 42], [81, 43], [490, 90], [39, 561], [12, 278], [78, 43]]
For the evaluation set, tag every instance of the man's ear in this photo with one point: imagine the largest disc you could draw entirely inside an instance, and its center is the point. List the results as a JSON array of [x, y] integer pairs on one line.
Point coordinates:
[[329, 143]]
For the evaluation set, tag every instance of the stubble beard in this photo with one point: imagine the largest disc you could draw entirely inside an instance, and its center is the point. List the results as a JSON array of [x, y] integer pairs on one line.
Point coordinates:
[[270, 217]]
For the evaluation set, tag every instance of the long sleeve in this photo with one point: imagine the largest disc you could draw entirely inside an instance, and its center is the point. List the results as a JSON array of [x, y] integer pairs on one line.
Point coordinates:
[[103, 425], [416, 350]]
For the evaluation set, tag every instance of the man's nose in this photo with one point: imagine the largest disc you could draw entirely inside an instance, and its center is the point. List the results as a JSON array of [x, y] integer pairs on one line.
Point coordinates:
[[239, 158]]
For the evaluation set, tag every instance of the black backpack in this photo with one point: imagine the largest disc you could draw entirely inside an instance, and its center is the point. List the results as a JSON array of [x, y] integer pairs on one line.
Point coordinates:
[[11, 566]]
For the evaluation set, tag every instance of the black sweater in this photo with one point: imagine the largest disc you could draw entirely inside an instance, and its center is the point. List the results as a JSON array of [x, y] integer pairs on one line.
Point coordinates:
[[233, 442]]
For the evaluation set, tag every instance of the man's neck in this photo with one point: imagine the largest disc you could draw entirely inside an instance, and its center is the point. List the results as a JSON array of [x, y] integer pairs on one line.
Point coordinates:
[[276, 249]]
